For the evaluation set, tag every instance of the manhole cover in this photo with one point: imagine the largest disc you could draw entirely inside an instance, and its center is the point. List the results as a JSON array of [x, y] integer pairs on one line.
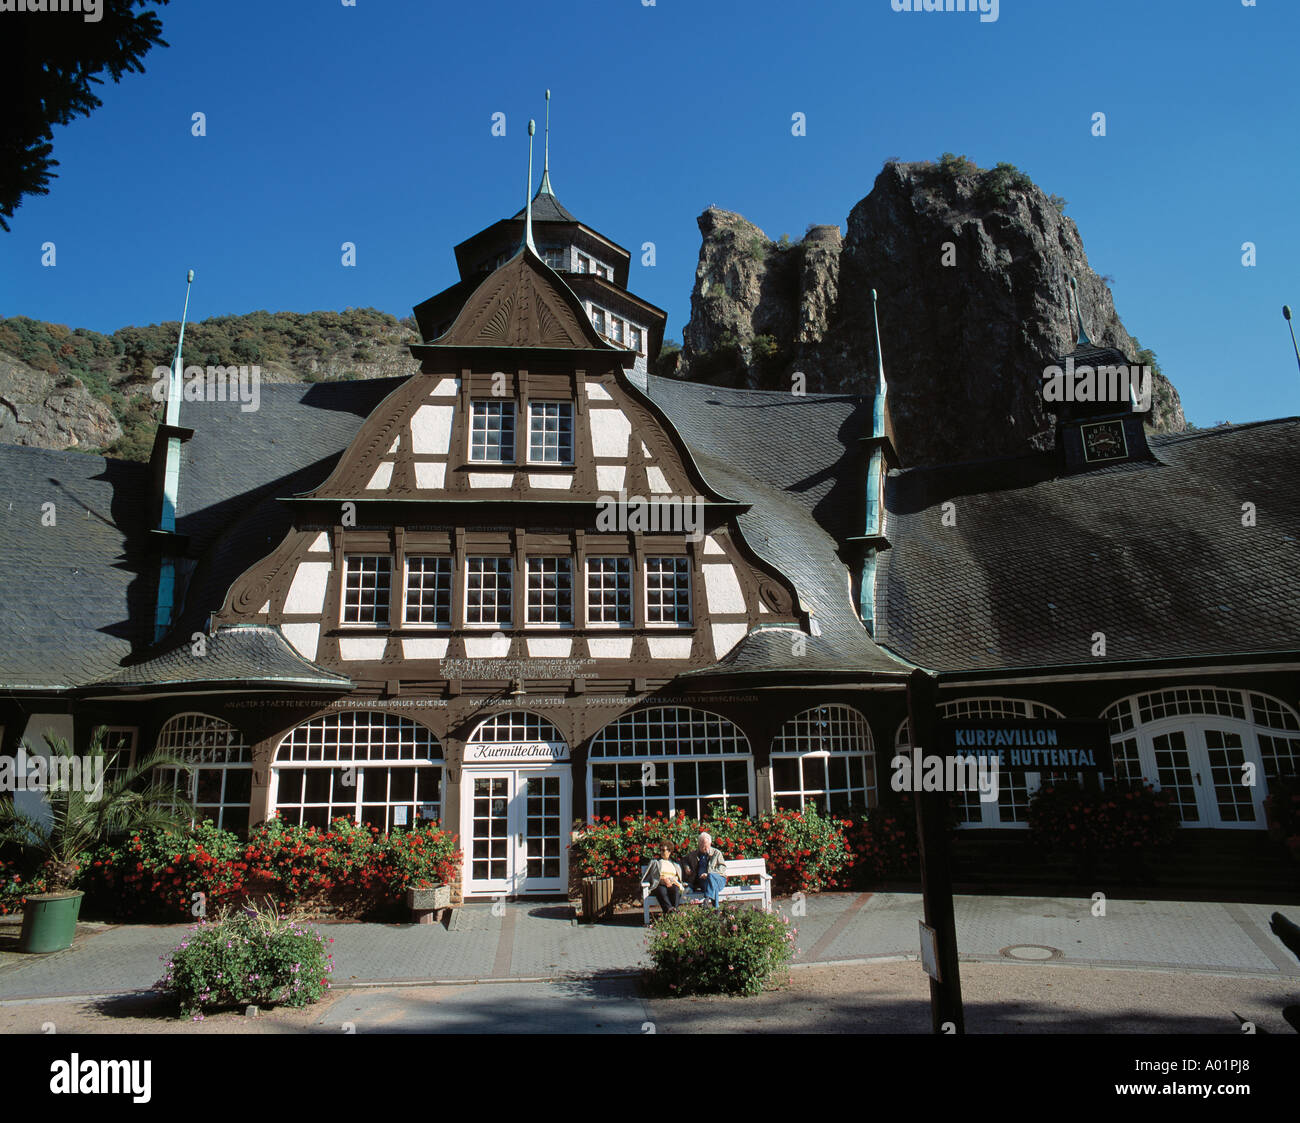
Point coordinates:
[[1031, 952]]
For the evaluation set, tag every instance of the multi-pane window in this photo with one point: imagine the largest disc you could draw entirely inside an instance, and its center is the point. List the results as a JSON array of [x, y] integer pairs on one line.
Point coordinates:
[[550, 432], [668, 760], [584, 264], [823, 756], [668, 590], [489, 591], [554, 256], [550, 591], [598, 319], [492, 432], [366, 589], [374, 768], [609, 591], [634, 339], [428, 590], [617, 326], [220, 780], [119, 752]]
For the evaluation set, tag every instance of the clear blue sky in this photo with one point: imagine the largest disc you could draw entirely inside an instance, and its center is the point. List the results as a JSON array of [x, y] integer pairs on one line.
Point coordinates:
[[372, 124]]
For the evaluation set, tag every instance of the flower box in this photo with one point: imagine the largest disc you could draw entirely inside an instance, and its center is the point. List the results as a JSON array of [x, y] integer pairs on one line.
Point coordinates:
[[427, 900]]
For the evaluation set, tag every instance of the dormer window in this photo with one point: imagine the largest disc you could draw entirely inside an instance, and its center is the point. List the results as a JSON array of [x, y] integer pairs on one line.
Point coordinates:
[[598, 319], [492, 433], [555, 257], [584, 264], [617, 326], [634, 339]]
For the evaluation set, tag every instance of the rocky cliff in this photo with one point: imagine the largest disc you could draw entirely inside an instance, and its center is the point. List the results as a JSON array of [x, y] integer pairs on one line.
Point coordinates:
[[48, 411], [972, 269]]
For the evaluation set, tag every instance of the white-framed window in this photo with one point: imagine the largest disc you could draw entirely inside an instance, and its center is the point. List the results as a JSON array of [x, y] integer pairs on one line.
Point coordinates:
[[489, 591], [584, 264], [220, 783], [367, 588], [550, 591], [1212, 749], [824, 756], [1014, 788], [428, 590], [514, 728], [616, 326], [609, 591], [668, 759], [492, 432], [371, 767], [598, 319], [119, 751], [555, 257], [550, 432], [634, 339], [668, 590]]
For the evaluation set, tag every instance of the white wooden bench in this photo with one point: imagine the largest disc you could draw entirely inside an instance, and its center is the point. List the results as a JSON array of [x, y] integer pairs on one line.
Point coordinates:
[[736, 867]]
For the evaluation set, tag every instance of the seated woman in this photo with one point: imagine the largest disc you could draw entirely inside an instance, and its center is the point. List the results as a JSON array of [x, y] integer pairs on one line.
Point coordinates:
[[665, 878], [706, 869]]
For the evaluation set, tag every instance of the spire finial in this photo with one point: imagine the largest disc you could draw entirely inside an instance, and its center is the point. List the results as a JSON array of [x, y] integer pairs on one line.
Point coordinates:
[[1078, 312], [546, 165], [528, 201], [878, 410]]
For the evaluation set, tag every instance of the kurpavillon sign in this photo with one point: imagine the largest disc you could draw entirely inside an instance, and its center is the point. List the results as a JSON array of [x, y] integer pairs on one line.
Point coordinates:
[[515, 751], [1030, 746]]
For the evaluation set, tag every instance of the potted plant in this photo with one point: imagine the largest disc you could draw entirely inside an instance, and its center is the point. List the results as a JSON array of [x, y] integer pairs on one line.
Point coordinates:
[[83, 809], [425, 896]]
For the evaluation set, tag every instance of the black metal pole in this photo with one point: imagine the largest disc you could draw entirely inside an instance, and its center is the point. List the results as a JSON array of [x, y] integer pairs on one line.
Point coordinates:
[[946, 1013], [1286, 314]]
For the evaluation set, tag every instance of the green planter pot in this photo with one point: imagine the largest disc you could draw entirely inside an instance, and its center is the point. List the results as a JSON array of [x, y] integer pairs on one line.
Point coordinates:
[[50, 921]]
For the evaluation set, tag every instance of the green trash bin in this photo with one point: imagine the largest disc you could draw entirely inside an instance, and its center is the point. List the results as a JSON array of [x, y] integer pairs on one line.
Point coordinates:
[[50, 921]]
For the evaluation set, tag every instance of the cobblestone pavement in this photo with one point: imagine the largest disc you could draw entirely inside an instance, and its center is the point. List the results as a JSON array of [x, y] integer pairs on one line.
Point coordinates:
[[532, 941]]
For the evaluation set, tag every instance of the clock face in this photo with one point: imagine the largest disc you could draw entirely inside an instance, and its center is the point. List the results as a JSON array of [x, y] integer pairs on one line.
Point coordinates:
[[1104, 441]]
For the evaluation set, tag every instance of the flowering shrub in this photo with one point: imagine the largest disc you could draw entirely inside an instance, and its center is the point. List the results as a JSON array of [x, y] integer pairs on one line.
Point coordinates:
[[262, 959], [882, 843], [1122, 820], [349, 869], [165, 873], [14, 889], [730, 950], [803, 849]]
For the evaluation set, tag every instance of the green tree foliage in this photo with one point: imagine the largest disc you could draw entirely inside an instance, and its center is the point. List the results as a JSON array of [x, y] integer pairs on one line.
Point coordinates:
[[47, 66]]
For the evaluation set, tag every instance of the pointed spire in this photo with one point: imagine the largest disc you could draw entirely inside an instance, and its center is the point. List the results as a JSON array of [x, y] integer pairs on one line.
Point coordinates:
[[528, 195], [546, 165], [878, 410], [172, 415], [1083, 339]]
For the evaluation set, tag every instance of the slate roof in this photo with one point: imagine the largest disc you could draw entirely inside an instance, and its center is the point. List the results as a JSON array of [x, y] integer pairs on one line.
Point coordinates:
[[72, 601], [1152, 554], [250, 653], [798, 462], [547, 208]]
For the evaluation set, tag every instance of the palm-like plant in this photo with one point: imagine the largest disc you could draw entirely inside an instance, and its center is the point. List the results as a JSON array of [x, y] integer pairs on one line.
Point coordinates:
[[78, 822]]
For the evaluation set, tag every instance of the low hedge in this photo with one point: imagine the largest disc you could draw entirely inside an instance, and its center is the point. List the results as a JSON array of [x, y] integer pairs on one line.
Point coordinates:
[[728, 950]]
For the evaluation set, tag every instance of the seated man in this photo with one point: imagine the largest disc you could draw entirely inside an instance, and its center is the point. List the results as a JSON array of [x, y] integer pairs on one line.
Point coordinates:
[[706, 869]]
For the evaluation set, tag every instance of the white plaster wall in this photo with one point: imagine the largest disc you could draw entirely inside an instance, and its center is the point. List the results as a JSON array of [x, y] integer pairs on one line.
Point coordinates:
[[711, 546], [362, 649], [432, 648], [610, 431], [382, 477], [722, 588], [726, 636], [430, 477], [610, 477], [487, 647], [307, 591], [669, 647], [491, 479], [613, 647], [431, 429], [657, 480], [304, 638], [597, 393], [321, 543], [550, 647], [446, 388]]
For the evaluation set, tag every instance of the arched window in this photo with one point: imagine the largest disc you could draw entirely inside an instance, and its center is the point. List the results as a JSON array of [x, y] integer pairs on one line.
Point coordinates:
[[1212, 748], [516, 727], [221, 781], [371, 767], [669, 759], [1014, 788], [824, 756]]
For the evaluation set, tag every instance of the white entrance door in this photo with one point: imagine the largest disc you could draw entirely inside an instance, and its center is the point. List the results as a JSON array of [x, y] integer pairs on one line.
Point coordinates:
[[1204, 769], [516, 824]]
